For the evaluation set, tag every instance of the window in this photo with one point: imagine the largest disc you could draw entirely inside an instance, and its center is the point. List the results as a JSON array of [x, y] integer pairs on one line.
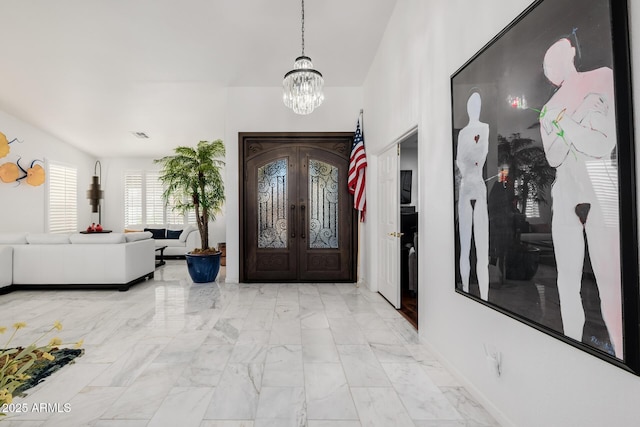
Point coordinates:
[[63, 198], [191, 217], [530, 203], [154, 205], [604, 177], [143, 202], [173, 216], [533, 209], [132, 198]]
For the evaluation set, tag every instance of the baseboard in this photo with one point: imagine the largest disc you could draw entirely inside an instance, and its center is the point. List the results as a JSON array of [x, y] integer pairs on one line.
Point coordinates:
[[122, 287], [488, 405]]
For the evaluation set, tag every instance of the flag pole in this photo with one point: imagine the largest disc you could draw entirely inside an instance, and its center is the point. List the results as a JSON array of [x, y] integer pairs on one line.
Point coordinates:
[[359, 265]]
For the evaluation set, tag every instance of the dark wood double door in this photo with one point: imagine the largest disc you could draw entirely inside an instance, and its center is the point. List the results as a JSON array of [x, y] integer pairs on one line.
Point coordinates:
[[296, 215]]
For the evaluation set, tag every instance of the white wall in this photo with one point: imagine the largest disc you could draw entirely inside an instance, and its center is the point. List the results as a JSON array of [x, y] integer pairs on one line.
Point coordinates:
[[22, 207], [113, 170], [252, 109], [248, 110], [544, 381]]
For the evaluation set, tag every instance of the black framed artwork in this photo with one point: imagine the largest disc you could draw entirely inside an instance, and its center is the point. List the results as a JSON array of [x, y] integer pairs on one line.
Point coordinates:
[[544, 177]]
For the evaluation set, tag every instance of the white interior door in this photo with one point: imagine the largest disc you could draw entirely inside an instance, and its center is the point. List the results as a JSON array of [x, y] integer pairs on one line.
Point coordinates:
[[389, 237]]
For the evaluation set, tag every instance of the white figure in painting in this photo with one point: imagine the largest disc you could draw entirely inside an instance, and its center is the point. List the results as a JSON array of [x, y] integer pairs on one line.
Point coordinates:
[[578, 131], [473, 146]]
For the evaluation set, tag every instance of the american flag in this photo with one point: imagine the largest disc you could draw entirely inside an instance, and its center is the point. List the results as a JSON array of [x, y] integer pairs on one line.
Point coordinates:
[[357, 167]]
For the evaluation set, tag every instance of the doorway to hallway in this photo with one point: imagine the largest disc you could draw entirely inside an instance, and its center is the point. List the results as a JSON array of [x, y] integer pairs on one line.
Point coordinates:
[[409, 168], [398, 237]]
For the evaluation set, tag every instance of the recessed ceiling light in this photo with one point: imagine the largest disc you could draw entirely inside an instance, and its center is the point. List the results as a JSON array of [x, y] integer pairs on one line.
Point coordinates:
[[140, 135]]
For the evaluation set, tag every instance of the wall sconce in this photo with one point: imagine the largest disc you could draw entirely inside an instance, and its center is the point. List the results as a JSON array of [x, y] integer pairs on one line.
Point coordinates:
[[94, 194]]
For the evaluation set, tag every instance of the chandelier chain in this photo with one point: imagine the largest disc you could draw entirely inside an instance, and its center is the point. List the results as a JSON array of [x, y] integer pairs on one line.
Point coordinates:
[[302, 27]]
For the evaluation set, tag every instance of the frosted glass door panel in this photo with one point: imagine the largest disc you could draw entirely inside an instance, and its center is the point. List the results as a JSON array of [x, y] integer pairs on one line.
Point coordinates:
[[323, 205], [272, 205]]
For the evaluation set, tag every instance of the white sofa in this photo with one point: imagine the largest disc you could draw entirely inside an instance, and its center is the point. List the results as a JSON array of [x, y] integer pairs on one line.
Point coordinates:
[[40, 260], [6, 263], [187, 240]]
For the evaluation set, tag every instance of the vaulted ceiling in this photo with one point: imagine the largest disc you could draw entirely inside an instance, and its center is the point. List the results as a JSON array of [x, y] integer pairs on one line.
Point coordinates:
[[90, 72]]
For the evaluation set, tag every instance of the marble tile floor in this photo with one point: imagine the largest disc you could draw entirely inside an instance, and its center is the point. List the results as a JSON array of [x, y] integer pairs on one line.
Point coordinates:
[[173, 353]]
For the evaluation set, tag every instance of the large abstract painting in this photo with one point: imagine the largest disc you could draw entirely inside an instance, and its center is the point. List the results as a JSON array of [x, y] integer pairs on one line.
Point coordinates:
[[544, 176]]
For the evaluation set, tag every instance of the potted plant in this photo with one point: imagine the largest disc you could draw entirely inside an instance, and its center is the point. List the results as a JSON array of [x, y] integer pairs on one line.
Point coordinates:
[[528, 168], [193, 178], [528, 179]]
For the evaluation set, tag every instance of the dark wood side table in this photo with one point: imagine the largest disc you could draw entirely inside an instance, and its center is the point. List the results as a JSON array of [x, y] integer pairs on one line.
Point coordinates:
[[160, 258], [95, 232]]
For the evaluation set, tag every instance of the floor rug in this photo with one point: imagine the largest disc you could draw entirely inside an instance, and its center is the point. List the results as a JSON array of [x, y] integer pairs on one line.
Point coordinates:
[[42, 368]]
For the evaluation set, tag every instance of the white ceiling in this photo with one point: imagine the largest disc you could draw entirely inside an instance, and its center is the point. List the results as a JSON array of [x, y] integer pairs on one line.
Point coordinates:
[[90, 72]]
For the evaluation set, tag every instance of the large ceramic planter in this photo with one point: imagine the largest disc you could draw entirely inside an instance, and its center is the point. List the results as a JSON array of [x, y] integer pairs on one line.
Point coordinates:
[[203, 268]]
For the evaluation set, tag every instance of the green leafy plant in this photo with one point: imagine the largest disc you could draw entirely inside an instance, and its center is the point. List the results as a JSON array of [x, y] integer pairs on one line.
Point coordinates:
[[193, 178], [16, 362]]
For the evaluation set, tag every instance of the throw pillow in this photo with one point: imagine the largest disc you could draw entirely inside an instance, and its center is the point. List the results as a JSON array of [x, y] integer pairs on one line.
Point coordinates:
[[134, 237], [185, 233], [173, 234], [13, 238], [157, 233]]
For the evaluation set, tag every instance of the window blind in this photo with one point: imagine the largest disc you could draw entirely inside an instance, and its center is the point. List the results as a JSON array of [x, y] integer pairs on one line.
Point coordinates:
[[154, 206], [63, 198], [191, 217], [173, 216], [144, 205], [132, 198], [604, 178]]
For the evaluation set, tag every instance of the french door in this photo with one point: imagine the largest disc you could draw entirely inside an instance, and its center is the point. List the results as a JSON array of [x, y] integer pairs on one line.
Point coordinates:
[[297, 217]]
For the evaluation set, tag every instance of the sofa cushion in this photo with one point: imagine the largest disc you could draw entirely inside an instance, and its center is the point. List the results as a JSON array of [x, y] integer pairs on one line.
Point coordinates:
[[47, 239], [173, 234], [173, 226], [13, 238], [185, 233], [135, 236], [172, 243], [158, 233], [6, 266], [97, 239]]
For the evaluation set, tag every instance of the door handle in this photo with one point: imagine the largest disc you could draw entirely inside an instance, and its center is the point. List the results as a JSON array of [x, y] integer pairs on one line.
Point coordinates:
[[293, 222], [394, 234], [303, 232]]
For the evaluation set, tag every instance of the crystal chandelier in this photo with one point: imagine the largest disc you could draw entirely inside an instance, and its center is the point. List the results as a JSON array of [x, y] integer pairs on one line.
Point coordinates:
[[302, 86]]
